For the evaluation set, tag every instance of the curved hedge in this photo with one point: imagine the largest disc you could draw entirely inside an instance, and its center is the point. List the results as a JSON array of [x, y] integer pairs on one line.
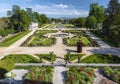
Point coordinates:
[[21, 58], [5, 66], [101, 58]]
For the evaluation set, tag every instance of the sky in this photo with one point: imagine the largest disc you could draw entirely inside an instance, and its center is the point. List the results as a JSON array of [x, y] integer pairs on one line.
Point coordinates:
[[52, 8]]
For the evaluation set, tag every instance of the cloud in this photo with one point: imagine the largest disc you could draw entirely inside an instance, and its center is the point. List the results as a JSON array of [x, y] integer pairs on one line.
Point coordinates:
[[60, 10], [61, 6]]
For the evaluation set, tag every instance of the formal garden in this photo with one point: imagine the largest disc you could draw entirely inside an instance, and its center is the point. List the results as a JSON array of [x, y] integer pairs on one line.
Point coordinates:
[[39, 39], [79, 36]]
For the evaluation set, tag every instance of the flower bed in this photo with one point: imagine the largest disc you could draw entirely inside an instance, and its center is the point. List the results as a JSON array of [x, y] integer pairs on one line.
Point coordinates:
[[80, 75], [112, 73], [39, 75]]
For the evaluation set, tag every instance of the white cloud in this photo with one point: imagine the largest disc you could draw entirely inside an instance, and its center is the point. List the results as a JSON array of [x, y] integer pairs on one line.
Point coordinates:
[[41, 7], [61, 10], [61, 6], [49, 10]]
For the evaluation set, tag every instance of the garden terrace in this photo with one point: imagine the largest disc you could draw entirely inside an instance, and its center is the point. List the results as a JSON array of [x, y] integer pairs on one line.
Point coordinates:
[[22, 58], [101, 58], [11, 40], [39, 75]]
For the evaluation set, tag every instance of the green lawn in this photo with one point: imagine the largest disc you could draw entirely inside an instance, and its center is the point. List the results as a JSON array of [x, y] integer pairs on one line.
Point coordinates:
[[74, 40], [11, 40], [72, 57], [47, 57], [42, 41], [21, 58], [99, 58]]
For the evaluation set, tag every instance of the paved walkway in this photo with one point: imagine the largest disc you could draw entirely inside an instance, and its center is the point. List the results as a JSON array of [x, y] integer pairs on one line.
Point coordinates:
[[59, 75], [100, 79], [100, 42], [19, 75]]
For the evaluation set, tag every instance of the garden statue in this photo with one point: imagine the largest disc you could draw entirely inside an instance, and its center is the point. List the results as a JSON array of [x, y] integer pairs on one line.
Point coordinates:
[[79, 46]]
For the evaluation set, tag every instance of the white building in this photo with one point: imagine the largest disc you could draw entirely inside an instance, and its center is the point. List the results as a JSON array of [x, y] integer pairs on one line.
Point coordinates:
[[33, 26]]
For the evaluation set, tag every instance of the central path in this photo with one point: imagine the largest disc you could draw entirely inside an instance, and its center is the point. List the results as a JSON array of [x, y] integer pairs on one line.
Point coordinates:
[[59, 75], [59, 49]]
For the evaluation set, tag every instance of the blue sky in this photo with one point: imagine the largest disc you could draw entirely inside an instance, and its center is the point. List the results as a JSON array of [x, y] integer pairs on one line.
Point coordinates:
[[52, 8]]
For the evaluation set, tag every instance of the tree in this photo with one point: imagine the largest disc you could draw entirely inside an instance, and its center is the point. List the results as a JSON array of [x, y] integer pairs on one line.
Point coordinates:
[[112, 12], [91, 22], [80, 22], [111, 24], [44, 18], [97, 11], [38, 18], [113, 7], [4, 22], [31, 15], [20, 21]]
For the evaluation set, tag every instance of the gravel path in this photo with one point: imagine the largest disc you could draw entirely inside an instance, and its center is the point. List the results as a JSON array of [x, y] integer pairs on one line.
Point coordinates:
[[100, 42], [59, 75], [101, 79]]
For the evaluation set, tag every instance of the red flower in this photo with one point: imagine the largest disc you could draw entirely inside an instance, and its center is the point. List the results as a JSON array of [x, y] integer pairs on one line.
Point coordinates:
[[81, 69], [90, 74]]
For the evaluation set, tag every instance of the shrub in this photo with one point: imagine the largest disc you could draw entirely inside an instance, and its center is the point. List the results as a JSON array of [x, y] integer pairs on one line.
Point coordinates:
[[6, 66]]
